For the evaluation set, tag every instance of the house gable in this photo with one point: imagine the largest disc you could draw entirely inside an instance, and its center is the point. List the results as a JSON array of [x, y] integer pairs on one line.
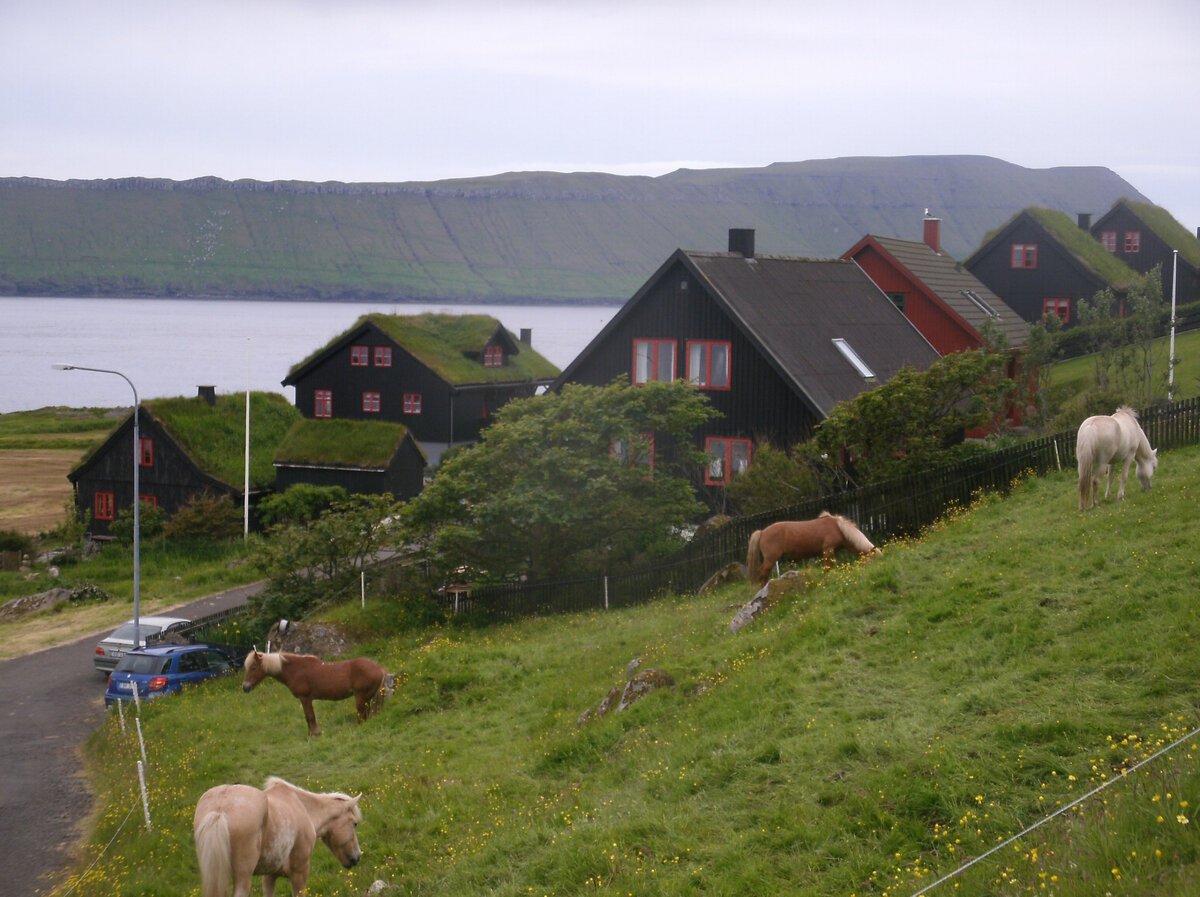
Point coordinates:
[[1143, 235], [367, 457], [1041, 262]]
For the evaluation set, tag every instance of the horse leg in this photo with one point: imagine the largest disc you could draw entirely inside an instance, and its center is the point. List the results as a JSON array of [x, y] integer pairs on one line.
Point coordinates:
[[268, 886], [311, 716], [1124, 476], [362, 703]]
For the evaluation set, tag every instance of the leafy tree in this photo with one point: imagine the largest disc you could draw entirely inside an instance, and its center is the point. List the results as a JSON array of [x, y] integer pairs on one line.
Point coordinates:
[[570, 482], [916, 419], [775, 479], [1041, 348], [151, 523], [299, 503], [1143, 314], [319, 560], [207, 516]]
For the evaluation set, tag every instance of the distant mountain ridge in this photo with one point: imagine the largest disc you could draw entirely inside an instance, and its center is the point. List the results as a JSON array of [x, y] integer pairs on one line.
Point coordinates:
[[515, 237]]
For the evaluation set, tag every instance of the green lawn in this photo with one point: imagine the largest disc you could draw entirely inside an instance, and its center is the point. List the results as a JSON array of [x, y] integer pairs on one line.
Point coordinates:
[[863, 738]]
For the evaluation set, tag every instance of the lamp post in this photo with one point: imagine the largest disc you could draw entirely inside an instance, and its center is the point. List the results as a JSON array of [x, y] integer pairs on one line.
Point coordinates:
[[137, 529]]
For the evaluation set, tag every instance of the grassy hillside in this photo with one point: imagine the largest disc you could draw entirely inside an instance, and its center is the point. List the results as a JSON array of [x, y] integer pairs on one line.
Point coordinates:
[[511, 237], [863, 738]]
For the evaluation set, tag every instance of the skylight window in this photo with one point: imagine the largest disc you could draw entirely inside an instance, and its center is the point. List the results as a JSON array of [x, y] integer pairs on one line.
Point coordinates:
[[979, 301], [854, 358]]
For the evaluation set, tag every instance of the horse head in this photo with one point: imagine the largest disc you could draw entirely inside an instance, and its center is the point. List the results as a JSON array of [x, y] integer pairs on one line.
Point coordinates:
[[255, 671], [1146, 468], [340, 832]]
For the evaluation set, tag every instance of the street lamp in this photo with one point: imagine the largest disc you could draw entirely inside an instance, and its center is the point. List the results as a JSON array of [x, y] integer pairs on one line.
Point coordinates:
[[137, 589]]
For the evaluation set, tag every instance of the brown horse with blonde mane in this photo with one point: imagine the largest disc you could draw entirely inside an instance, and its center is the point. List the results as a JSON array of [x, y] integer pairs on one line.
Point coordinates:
[[309, 678], [241, 831], [798, 539]]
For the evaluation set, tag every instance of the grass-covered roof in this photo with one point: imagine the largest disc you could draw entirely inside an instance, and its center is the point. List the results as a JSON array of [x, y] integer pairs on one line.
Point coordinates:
[[348, 443], [215, 435], [1084, 247], [442, 342], [1169, 230]]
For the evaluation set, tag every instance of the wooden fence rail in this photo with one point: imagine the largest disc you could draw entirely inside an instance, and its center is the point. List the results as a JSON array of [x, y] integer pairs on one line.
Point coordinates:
[[887, 510]]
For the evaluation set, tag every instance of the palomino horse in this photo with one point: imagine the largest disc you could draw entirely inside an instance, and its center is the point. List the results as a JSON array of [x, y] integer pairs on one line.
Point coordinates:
[[241, 831], [803, 539], [309, 678], [1105, 440]]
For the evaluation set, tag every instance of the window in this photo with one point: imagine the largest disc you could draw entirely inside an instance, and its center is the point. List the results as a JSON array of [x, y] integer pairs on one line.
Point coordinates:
[[638, 450], [897, 300], [982, 304], [1133, 241], [151, 500], [653, 359], [854, 358], [323, 403], [359, 356], [1108, 239], [1059, 307], [412, 403], [371, 402], [708, 364], [1024, 255], [493, 356], [145, 452], [383, 356], [104, 506], [726, 459]]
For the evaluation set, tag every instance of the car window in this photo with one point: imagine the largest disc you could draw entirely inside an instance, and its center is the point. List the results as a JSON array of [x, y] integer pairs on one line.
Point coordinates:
[[143, 664], [192, 662], [218, 662]]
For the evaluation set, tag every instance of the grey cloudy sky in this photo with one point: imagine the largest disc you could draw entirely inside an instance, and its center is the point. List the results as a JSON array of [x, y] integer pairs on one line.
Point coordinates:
[[372, 90]]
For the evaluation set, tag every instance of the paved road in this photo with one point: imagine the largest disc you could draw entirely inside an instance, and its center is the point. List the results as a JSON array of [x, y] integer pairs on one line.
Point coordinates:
[[50, 702]]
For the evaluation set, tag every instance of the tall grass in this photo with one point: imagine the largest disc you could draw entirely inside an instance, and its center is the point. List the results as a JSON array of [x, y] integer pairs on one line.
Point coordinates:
[[862, 738]]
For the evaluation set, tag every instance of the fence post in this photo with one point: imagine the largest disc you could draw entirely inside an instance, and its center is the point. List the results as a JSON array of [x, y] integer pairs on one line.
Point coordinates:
[[142, 788], [606, 591]]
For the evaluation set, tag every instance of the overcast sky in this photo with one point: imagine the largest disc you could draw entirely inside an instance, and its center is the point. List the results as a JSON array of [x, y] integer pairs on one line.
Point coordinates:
[[402, 90]]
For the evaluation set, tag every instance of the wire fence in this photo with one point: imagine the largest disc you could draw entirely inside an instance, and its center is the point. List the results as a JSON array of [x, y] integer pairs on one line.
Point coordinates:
[[884, 511]]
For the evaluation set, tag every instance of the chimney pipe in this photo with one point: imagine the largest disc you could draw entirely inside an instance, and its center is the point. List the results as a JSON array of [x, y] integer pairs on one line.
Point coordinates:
[[208, 393], [1085, 220], [741, 239], [527, 336], [933, 233]]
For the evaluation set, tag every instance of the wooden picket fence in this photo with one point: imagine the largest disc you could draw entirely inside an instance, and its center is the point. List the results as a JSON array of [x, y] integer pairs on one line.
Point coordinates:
[[886, 510]]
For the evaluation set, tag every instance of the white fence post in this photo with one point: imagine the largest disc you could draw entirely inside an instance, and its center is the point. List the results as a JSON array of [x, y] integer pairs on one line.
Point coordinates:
[[141, 741], [142, 788]]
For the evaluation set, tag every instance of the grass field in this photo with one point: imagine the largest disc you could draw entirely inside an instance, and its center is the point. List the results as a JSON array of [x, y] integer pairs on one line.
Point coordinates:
[[863, 738]]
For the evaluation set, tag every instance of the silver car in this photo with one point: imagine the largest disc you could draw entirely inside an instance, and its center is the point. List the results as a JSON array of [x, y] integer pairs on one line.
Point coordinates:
[[114, 647]]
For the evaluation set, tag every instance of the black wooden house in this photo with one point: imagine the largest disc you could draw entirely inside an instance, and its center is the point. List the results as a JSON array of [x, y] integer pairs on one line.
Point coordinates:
[[442, 376], [1040, 263], [187, 447], [365, 457], [1144, 236], [776, 342]]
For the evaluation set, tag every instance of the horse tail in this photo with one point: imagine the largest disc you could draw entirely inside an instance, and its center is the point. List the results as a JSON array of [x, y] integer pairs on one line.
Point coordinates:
[[754, 556], [1085, 459], [854, 537], [215, 854]]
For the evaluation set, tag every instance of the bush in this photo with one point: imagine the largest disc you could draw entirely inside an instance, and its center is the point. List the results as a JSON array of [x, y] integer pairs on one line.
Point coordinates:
[[206, 516], [151, 520], [11, 540]]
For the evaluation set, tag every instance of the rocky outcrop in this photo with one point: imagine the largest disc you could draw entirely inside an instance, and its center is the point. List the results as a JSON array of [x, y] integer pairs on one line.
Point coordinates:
[[639, 683]]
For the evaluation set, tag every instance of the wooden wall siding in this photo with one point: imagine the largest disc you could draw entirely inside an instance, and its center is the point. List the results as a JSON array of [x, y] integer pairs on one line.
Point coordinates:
[[944, 331], [759, 404], [1154, 251], [173, 479], [1056, 276]]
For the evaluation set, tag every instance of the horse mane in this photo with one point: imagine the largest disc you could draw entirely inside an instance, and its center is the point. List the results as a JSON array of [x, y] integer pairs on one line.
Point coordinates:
[[276, 780], [1126, 409]]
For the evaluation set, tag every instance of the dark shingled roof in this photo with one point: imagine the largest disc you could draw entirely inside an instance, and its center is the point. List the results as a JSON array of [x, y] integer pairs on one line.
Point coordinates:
[[954, 285]]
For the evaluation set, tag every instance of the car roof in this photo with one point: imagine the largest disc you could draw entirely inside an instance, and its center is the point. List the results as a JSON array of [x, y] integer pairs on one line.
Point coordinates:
[[160, 650], [158, 621]]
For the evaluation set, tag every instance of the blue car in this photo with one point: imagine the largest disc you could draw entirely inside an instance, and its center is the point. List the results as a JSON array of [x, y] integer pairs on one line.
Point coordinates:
[[163, 669]]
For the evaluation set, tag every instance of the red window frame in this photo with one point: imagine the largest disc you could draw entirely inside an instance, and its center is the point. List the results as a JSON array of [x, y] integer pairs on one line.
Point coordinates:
[[370, 402], [151, 500], [145, 452], [1133, 241], [360, 356], [412, 403], [702, 371], [1059, 307], [493, 356], [1108, 239], [724, 462], [383, 356], [322, 403], [650, 351], [1024, 255], [642, 446], [104, 505]]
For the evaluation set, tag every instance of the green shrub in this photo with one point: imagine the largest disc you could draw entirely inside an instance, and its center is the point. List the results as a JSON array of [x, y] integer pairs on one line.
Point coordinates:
[[205, 517]]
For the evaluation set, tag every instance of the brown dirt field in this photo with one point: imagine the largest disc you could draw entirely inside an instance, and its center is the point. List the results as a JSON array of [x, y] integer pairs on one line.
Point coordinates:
[[34, 488]]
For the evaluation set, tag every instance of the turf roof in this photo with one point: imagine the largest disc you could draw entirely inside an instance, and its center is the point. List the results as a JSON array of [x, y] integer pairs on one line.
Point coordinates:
[[439, 341], [1169, 230], [343, 443], [1084, 247]]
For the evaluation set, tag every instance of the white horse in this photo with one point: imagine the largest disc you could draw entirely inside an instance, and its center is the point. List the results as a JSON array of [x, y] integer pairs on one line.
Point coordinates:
[[241, 831], [1105, 440]]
